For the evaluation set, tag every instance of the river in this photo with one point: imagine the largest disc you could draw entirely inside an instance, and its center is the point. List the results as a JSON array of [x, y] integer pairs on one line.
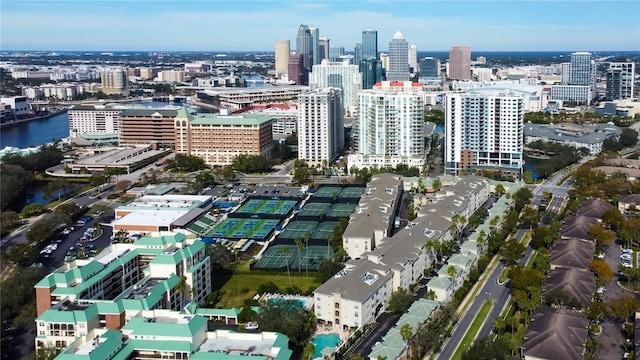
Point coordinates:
[[35, 133]]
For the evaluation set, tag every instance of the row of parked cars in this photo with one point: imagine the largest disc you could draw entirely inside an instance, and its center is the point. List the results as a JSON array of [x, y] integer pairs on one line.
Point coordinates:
[[626, 258]]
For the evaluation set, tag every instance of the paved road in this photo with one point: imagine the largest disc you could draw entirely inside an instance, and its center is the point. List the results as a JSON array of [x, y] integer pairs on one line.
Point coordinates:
[[490, 290]]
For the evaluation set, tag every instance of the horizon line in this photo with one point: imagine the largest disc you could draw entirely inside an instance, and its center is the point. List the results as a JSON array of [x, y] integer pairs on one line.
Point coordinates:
[[273, 51]]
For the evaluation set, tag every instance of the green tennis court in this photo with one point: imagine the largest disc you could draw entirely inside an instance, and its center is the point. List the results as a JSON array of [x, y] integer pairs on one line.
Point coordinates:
[[232, 228], [314, 209], [297, 229], [324, 230], [328, 192], [340, 210], [352, 193], [276, 257], [269, 207]]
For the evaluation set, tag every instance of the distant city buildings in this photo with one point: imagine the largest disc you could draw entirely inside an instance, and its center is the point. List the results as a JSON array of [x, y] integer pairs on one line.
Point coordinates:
[[620, 80], [398, 69], [371, 70], [324, 48], [577, 136], [335, 53], [339, 75], [429, 67], [114, 81], [296, 71], [460, 63], [283, 49], [413, 58], [390, 126], [369, 44], [484, 131], [320, 125]]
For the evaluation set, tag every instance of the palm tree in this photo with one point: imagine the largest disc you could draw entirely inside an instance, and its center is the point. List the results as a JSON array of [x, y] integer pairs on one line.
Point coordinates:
[[452, 271], [307, 236], [407, 332], [181, 287], [285, 252], [329, 240], [300, 245], [431, 294]]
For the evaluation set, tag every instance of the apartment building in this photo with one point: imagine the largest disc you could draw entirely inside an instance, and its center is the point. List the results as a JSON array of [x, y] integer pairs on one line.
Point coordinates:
[[390, 126], [114, 81], [374, 217], [94, 119], [107, 290], [320, 125], [338, 75], [620, 80], [218, 139], [357, 295], [484, 131], [165, 334]]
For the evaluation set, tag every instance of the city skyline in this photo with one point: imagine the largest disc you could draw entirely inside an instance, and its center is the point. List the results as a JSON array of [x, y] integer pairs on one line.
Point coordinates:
[[431, 26]]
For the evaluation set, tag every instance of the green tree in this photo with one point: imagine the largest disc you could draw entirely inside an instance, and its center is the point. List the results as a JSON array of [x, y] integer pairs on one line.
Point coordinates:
[[522, 198], [327, 269], [400, 301], [512, 251], [285, 253], [289, 318], [602, 236], [309, 350], [33, 209], [624, 308], [220, 256], [301, 174], [485, 348], [561, 298]]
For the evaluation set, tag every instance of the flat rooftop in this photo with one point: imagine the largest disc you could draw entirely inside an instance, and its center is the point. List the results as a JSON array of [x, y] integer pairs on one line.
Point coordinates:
[[122, 156], [143, 290], [232, 344], [165, 202]]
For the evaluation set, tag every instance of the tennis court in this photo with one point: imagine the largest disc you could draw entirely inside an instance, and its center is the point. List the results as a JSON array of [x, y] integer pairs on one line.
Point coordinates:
[[328, 192], [297, 229], [314, 209], [352, 193], [340, 210], [268, 207], [232, 228], [276, 257], [324, 230]]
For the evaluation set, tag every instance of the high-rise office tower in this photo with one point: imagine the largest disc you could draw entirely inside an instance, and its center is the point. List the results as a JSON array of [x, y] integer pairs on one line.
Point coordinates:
[[315, 46], [358, 53], [296, 69], [484, 130], [335, 52], [390, 127], [398, 59], [283, 49], [430, 67], [627, 72], [324, 48], [581, 68], [413, 58], [384, 61], [320, 125], [481, 60], [460, 63], [369, 44], [304, 45], [371, 70], [338, 75]]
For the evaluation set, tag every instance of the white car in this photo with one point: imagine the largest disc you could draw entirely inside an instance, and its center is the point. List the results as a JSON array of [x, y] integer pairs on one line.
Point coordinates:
[[251, 326], [626, 264], [601, 256]]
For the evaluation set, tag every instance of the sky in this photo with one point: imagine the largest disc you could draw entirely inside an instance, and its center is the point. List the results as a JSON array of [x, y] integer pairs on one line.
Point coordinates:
[[242, 25]]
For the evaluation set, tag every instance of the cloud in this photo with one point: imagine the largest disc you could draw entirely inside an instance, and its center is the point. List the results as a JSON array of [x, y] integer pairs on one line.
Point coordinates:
[[216, 26]]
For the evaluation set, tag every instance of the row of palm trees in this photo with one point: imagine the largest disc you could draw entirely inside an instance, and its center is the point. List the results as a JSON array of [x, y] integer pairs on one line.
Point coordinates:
[[303, 243]]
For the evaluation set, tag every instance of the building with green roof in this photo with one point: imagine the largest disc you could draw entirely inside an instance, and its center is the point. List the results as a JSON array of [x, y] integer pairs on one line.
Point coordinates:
[[158, 272], [175, 335]]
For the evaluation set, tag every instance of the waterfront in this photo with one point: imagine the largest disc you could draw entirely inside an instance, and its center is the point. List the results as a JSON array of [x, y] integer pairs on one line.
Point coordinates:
[[35, 133]]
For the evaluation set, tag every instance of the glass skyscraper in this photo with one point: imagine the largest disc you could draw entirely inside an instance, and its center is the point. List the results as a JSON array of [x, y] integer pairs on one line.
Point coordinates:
[[303, 46], [371, 70], [358, 54], [429, 67], [369, 44]]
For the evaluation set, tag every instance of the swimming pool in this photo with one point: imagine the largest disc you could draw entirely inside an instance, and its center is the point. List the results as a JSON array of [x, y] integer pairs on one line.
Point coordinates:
[[323, 341]]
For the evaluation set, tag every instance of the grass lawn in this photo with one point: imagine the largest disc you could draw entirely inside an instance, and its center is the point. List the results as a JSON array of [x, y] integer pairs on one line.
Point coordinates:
[[243, 284], [473, 330]]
